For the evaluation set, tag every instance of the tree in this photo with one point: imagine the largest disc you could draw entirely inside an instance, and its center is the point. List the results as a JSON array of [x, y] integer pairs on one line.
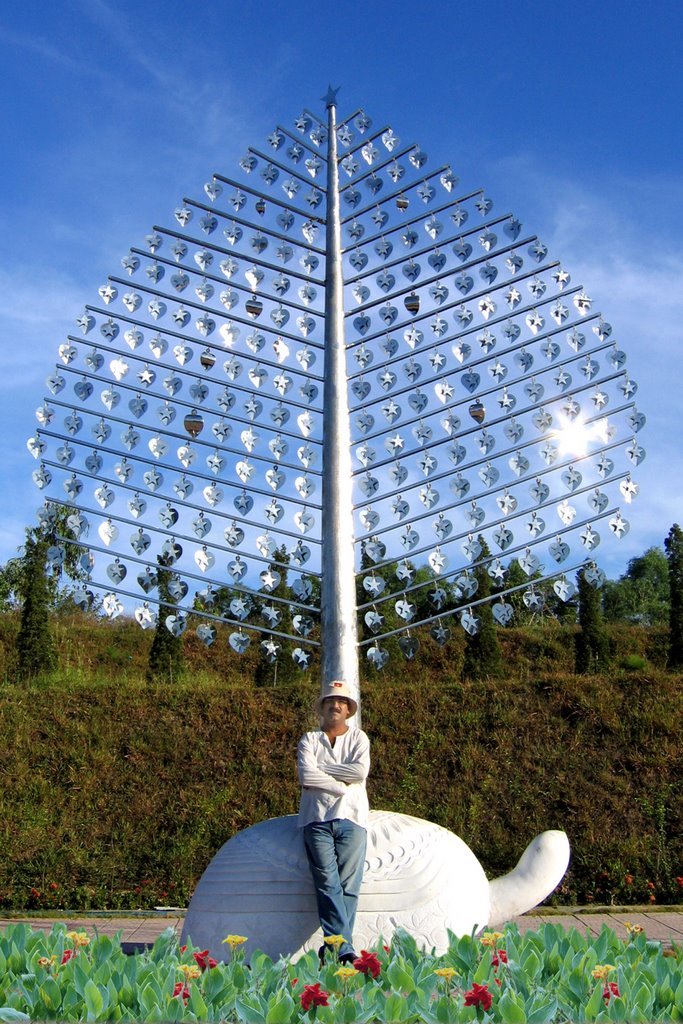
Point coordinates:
[[389, 584], [16, 575], [591, 647], [642, 593], [35, 648], [279, 669], [30, 581], [13, 579], [673, 546], [516, 577], [166, 661], [482, 650]]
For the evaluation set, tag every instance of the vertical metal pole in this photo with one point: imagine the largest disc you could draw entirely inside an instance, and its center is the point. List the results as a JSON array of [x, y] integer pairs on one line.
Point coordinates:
[[338, 598]]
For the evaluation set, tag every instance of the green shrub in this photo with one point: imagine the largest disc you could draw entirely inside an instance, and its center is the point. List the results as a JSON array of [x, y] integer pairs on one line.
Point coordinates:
[[633, 663], [592, 640], [35, 646], [117, 795]]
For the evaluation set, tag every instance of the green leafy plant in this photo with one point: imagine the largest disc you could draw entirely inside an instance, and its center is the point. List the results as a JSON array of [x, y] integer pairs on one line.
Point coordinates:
[[540, 977]]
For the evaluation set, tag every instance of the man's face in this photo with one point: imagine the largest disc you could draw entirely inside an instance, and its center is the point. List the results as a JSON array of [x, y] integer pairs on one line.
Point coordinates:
[[335, 711]]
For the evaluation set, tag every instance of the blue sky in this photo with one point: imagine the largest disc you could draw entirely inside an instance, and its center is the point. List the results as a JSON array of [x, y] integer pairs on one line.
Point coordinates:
[[568, 115]]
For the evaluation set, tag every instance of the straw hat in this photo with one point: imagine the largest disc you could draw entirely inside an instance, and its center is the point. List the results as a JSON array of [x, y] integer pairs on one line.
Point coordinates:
[[338, 688]]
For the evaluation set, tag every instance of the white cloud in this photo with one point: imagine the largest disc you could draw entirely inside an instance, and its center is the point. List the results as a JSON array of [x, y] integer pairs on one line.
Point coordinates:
[[36, 316], [37, 296], [620, 239], [43, 48], [637, 286]]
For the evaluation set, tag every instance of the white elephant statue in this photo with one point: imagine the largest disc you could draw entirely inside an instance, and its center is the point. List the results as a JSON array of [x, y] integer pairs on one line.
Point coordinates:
[[418, 877]]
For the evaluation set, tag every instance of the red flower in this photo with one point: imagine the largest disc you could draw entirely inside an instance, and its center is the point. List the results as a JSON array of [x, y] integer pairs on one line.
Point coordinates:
[[610, 989], [183, 948], [313, 995], [203, 960], [498, 957], [181, 989], [479, 995], [294, 982], [650, 885], [388, 950], [54, 886], [628, 879], [68, 953], [367, 963], [679, 881], [498, 982]]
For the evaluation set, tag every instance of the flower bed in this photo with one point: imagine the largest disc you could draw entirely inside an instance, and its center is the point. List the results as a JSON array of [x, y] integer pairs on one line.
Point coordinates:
[[538, 977]]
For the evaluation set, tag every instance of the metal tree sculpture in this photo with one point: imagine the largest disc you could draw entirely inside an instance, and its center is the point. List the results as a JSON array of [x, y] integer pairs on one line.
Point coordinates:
[[378, 373]]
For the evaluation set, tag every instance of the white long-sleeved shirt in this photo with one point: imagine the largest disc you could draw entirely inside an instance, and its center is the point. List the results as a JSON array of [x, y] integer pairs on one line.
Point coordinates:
[[333, 777]]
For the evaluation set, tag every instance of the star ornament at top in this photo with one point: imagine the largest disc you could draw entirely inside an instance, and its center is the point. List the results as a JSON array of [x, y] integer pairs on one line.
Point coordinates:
[[330, 97]]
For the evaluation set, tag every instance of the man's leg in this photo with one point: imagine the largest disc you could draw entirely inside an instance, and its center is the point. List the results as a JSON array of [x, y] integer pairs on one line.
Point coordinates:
[[322, 859], [350, 843]]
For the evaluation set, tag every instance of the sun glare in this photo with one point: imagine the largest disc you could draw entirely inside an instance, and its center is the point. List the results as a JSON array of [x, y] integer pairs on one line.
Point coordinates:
[[573, 436]]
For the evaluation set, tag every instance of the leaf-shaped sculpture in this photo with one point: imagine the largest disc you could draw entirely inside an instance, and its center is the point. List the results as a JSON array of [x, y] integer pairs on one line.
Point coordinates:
[[347, 359]]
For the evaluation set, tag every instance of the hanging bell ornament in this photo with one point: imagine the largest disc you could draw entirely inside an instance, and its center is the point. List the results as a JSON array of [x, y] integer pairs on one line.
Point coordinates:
[[412, 303], [207, 359], [477, 411], [194, 423], [402, 202]]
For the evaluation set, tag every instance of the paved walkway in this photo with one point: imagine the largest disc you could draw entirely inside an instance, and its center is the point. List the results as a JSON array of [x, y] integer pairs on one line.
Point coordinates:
[[664, 925], [138, 930]]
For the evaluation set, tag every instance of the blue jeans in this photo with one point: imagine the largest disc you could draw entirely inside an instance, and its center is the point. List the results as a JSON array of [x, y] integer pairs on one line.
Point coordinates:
[[336, 855]]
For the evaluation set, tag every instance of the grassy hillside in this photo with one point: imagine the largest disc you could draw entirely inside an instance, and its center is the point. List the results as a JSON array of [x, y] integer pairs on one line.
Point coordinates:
[[91, 649], [115, 793]]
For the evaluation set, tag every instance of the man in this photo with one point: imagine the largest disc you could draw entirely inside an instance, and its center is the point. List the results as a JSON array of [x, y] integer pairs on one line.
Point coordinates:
[[333, 764]]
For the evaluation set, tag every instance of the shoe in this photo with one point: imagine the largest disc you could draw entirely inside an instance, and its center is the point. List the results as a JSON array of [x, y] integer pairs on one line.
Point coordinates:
[[348, 958]]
